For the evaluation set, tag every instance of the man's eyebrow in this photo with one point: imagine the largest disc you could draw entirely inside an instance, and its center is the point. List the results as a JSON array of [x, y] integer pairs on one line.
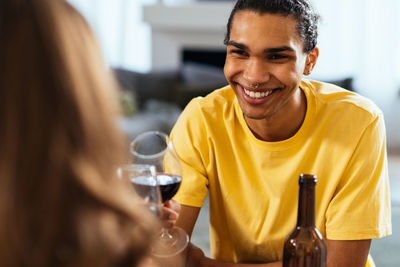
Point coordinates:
[[279, 49], [237, 45], [267, 50]]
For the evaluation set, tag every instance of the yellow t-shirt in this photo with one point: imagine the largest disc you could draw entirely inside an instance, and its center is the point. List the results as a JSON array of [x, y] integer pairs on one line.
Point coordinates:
[[253, 184]]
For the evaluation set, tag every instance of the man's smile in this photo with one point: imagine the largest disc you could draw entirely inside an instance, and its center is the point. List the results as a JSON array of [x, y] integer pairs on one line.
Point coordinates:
[[258, 93]]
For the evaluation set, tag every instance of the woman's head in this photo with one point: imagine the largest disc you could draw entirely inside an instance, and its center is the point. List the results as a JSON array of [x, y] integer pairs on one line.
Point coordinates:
[[53, 65], [59, 143]]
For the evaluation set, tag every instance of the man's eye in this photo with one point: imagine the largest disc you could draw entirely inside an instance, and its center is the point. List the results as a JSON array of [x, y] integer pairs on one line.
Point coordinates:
[[277, 57], [238, 52]]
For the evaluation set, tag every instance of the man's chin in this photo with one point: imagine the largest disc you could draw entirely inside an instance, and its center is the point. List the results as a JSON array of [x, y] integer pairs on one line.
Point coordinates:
[[255, 115]]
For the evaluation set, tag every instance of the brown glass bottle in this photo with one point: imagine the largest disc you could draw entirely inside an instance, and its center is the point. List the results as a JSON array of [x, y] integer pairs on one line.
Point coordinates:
[[305, 246]]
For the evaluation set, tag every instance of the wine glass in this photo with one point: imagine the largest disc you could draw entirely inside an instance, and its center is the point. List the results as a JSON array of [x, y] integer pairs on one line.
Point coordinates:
[[143, 179], [155, 148]]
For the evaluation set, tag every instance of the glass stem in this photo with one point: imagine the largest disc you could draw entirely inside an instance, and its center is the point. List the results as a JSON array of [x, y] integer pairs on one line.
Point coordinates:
[[165, 235]]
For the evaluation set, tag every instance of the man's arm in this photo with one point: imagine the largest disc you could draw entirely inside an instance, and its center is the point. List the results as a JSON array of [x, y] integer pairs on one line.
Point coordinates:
[[187, 218], [347, 252], [340, 252], [196, 258]]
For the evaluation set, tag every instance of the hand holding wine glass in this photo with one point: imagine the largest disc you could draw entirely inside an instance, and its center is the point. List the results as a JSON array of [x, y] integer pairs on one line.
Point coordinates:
[[155, 148], [143, 179]]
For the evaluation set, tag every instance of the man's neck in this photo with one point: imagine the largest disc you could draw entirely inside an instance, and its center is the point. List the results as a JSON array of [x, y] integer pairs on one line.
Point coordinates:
[[283, 124]]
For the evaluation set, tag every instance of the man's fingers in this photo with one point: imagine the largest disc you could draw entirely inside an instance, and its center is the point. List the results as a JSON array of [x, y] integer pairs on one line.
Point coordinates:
[[170, 213], [174, 205]]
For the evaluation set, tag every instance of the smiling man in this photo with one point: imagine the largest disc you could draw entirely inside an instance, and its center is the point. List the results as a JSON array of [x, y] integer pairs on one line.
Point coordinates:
[[247, 143]]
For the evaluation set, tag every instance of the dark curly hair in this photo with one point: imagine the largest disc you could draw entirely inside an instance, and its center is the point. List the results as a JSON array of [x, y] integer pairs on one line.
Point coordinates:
[[303, 12]]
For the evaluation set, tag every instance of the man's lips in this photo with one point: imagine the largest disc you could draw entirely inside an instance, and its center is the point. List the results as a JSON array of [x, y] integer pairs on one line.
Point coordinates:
[[257, 93]]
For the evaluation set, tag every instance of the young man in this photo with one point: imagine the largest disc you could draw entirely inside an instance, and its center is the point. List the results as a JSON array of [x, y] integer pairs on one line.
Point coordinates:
[[247, 143]]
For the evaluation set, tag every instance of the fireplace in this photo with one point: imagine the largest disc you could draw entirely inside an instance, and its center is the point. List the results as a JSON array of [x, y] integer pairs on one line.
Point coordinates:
[[215, 57], [189, 31]]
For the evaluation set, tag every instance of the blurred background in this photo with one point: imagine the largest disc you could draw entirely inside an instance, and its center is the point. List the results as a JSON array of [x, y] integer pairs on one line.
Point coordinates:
[[164, 52], [358, 39]]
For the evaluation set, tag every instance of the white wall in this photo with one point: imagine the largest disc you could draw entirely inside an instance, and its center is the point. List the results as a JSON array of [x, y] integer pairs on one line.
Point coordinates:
[[123, 36], [358, 38]]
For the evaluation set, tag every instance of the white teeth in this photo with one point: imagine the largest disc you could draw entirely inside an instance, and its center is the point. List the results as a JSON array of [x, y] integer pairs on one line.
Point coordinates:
[[257, 94]]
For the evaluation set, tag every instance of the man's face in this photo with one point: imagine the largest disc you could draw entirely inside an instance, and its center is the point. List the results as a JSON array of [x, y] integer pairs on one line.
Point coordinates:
[[265, 50]]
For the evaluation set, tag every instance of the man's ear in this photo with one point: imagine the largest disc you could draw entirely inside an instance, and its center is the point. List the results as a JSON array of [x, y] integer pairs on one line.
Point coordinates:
[[311, 60]]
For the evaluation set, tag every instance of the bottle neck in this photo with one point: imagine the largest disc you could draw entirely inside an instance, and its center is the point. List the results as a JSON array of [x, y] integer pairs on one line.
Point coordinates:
[[306, 209]]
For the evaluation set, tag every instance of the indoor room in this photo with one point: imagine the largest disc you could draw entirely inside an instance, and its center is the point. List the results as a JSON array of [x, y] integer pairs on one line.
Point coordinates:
[[166, 52]]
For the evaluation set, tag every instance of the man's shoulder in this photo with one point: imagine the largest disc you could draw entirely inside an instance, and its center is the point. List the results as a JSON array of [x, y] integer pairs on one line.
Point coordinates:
[[223, 95], [333, 96], [218, 100], [209, 115]]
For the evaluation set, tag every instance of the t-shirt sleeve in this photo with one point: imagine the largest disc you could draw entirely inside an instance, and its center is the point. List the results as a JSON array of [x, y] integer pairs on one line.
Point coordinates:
[[189, 139], [360, 208]]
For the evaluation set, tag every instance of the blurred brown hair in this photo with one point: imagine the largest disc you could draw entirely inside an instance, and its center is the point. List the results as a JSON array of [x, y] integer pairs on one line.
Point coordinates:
[[60, 203]]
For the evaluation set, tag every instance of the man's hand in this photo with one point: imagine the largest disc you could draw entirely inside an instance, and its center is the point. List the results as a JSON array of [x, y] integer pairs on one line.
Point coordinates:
[[194, 256], [170, 213]]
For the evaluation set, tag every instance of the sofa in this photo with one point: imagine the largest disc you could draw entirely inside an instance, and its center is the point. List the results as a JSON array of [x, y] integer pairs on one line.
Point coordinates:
[[154, 100]]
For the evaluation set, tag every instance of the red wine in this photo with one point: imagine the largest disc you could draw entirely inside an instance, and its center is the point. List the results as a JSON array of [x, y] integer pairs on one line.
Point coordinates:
[[144, 186], [169, 185]]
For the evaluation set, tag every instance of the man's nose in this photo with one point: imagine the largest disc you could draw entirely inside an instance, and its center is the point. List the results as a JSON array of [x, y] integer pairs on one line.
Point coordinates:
[[256, 71]]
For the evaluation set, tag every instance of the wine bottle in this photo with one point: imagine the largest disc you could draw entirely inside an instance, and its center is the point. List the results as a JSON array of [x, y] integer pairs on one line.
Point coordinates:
[[305, 246]]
